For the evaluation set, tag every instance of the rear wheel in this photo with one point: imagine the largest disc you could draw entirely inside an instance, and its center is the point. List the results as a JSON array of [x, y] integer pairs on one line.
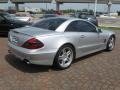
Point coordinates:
[[110, 44], [64, 57]]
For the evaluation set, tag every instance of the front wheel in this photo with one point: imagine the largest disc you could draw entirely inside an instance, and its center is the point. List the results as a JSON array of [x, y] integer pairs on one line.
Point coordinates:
[[64, 57], [110, 44]]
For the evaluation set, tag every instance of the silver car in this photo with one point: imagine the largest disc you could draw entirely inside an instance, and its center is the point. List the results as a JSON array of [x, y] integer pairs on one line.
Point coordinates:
[[58, 41]]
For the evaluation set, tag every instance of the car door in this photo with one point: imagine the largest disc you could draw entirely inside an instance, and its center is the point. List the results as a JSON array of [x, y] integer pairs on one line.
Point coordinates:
[[88, 36], [2, 25], [5, 25]]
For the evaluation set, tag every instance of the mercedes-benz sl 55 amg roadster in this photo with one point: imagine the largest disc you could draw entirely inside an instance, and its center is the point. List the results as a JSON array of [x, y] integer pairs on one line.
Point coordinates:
[[58, 41]]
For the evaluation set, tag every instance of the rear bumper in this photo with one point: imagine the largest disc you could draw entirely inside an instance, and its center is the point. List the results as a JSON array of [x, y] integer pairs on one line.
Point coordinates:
[[39, 58]]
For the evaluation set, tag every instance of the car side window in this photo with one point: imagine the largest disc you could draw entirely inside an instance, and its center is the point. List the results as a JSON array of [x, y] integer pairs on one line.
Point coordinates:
[[81, 26], [50, 24], [55, 23], [86, 26], [72, 27]]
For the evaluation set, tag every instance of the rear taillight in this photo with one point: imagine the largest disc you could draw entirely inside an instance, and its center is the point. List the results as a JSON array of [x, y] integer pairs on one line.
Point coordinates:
[[33, 43]]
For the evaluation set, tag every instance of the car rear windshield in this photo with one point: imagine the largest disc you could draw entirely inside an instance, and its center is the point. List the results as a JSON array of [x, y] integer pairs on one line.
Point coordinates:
[[50, 24]]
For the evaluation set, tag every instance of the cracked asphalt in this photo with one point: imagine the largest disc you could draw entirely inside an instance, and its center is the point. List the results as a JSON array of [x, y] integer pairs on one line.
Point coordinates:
[[98, 71]]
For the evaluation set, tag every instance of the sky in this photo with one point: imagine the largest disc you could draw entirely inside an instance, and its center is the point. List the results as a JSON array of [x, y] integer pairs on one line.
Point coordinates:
[[76, 6]]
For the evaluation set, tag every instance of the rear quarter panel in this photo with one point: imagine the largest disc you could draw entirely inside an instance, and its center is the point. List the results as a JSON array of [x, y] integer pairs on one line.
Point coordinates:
[[57, 40]]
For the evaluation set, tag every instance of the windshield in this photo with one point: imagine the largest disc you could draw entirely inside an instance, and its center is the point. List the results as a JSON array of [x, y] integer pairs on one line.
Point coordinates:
[[8, 17], [22, 14], [49, 16], [50, 24]]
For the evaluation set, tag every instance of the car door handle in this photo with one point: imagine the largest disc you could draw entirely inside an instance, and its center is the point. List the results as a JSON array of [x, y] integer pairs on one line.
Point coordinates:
[[82, 36]]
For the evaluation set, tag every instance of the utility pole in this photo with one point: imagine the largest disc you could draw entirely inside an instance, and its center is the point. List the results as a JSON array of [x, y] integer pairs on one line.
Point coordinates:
[[57, 6], [17, 6], [46, 7], [88, 7], [95, 9], [109, 6]]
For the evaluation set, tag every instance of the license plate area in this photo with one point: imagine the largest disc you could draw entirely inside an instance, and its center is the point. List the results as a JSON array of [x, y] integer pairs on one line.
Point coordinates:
[[14, 40]]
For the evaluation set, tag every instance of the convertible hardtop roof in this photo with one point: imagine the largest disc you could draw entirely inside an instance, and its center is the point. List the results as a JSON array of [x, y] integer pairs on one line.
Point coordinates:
[[65, 17]]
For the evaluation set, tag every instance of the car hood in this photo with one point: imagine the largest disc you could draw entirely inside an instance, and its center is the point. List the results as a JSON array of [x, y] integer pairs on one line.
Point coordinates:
[[20, 22], [23, 18], [108, 31], [33, 31]]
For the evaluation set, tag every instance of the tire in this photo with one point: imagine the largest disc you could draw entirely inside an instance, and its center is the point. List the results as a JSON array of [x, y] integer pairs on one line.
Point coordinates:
[[64, 57], [110, 44]]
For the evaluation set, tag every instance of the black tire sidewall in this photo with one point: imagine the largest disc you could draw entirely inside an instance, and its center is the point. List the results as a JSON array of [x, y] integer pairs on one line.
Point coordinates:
[[56, 63], [108, 48]]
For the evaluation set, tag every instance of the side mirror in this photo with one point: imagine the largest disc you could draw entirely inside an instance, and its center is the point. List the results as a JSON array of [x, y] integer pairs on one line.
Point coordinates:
[[99, 30]]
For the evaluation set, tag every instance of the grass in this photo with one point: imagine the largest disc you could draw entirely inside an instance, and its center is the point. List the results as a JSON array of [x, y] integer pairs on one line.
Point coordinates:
[[111, 28]]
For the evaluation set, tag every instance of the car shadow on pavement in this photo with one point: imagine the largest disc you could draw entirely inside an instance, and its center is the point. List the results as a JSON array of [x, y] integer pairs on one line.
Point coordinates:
[[22, 66], [87, 56], [30, 68], [82, 58]]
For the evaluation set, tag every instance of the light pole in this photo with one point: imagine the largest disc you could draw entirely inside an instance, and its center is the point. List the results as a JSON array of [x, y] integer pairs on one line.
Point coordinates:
[[46, 7], [88, 7], [109, 6], [95, 9]]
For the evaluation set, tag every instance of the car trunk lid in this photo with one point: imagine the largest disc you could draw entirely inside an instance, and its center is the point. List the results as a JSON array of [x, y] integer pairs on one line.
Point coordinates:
[[21, 35], [32, 31]]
